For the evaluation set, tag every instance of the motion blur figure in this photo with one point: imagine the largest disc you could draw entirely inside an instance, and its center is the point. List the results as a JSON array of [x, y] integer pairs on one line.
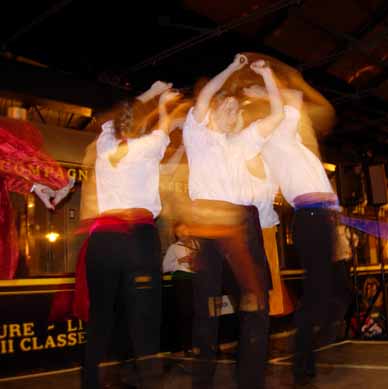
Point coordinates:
[[222, 217], [24, 168], [305, 186], [122, 253]]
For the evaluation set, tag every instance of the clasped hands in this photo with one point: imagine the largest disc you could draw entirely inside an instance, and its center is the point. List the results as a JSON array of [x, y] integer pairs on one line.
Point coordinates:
[[49, 197]]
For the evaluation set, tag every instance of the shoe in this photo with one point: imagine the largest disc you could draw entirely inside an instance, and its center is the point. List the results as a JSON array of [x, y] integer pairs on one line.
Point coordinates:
[[303, 370], [309, 366]]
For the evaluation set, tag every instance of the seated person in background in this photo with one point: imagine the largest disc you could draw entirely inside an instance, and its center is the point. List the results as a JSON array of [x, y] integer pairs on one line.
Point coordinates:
[[346, 242], [345, 239], [179, 261], [179, 255]]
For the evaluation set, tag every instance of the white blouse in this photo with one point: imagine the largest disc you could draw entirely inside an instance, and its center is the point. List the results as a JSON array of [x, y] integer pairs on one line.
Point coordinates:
[[217, 161], [134, 181], [175, 252], [264, 192], [294, 167]]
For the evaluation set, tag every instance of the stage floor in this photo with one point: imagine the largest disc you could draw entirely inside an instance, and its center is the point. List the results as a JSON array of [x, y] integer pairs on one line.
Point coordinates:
[[348, 364]]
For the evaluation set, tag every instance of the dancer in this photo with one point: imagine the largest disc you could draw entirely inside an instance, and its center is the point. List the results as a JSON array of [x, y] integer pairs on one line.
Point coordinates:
[[218, 147], [24, 168], [123, 263], [305, 186]]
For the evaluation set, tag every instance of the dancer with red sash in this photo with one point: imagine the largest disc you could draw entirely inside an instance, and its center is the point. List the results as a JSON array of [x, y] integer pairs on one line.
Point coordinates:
[[24, 168], [121, 257]]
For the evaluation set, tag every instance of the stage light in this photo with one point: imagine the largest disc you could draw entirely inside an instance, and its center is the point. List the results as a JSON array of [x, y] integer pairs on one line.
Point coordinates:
[[52, 236]]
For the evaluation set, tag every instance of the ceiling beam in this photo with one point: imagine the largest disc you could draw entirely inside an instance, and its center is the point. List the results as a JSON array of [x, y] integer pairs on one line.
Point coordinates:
[[351, 41], [39, 19], [214, 33], [33, 101]]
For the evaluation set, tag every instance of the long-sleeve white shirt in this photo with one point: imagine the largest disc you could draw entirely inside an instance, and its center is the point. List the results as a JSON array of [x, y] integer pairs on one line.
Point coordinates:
[[174, 252], [217, 161], [294, 167], [134, 181]]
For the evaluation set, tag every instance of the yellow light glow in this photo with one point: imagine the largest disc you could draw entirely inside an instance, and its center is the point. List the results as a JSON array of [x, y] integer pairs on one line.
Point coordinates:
[[329, 166], [52, 237]]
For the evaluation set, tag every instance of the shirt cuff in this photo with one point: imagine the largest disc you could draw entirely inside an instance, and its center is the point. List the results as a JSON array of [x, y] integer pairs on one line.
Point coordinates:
[[165, 139], [108, 127]]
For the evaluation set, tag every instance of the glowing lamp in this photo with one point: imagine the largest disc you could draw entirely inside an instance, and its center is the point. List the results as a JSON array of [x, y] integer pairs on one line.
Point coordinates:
[[52, 236]]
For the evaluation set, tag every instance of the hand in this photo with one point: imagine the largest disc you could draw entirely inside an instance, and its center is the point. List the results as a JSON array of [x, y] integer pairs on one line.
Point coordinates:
[[260, 67], [44, 193], [186, 259], [239, 62], [255, 91], [159, 87], [168, 96], [60, 194]]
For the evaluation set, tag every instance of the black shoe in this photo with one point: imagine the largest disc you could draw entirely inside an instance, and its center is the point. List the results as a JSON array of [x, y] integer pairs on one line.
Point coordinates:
[[311, 373], [304, 365], [309, 367]]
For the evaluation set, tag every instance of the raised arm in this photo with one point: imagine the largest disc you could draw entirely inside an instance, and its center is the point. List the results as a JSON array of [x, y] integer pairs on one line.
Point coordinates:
[[168, 168], [157, 88], [292, 97], [270, 122], [179, 113], [165, 118], [214, 85]]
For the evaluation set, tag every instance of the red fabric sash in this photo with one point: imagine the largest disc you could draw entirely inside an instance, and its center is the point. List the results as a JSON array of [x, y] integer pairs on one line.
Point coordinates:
[[79, 302], [23, 161]]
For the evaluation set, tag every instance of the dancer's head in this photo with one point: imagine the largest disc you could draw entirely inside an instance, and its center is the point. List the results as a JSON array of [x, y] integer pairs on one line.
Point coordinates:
[[231, 109], [319, 110], [225, 113], [181, 231]]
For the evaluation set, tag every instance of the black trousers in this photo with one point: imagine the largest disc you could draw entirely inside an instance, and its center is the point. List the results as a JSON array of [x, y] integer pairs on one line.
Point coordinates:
[[124, 281], [183, 298], [314, 238], [245, 255]]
